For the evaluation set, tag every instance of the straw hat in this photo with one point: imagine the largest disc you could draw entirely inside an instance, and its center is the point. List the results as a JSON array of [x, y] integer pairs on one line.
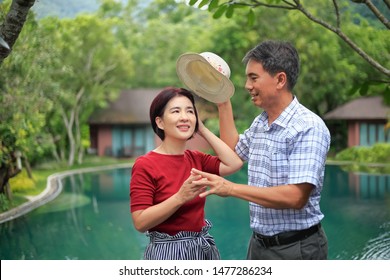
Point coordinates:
[[207, 75]]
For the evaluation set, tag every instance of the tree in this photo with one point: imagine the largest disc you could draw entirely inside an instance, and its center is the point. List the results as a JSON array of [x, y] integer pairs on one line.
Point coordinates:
[[89, 67], [13, 24], [158, 35], [60, 71], [23, 108], [331, 19]]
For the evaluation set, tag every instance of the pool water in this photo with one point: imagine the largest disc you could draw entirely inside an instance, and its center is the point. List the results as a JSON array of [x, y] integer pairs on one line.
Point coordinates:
[[90, 220]]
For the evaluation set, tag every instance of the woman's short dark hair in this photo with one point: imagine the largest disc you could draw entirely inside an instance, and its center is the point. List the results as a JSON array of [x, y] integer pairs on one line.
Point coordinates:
[[159, 103]]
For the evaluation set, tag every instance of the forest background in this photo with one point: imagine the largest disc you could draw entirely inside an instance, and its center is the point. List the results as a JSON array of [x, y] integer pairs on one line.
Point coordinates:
[[72, 58]]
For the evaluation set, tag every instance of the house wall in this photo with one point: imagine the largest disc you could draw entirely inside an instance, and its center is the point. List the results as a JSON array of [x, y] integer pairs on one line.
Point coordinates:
[[353, 133], [132, 141], [140, 140], [104, 140], [121, 141], [372, 132], [367, 133]]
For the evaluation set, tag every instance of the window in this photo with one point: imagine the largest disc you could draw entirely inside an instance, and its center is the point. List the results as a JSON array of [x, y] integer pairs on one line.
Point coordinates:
[[371, 133]]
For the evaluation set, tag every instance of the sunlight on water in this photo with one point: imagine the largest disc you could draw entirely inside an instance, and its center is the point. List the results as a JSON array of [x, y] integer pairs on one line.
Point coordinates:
[[379, 247]]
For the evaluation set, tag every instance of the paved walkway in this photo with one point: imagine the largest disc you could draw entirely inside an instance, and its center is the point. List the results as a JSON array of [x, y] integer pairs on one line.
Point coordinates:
[[52, 190]]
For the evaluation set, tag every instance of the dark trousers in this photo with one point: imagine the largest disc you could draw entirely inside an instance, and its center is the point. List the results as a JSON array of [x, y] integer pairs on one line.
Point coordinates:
[[314, 247]]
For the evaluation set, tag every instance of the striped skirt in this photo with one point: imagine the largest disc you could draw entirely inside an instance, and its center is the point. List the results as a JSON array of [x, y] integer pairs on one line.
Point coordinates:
[[184, 245]]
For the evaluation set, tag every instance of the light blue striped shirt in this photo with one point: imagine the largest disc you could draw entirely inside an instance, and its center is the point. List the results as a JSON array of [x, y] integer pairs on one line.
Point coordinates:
[[291, 150]]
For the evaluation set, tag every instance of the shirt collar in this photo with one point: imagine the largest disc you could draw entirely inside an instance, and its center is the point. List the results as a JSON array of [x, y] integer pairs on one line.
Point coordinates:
[[285, 117]]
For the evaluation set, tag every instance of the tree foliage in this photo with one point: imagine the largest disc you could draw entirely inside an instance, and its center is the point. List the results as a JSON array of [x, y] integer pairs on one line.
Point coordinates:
[[62, 69], [334, 24], [332, 72], [89, 66]]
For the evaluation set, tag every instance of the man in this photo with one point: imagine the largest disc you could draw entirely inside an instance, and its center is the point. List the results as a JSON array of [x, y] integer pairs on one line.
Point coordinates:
[[286, 148]]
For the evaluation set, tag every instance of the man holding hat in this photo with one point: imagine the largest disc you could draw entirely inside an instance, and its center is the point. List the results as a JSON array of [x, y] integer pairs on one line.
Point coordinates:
[[286, 148]]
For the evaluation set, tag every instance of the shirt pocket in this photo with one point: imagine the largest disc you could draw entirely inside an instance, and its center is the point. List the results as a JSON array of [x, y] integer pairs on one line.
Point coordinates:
[[279, 168]]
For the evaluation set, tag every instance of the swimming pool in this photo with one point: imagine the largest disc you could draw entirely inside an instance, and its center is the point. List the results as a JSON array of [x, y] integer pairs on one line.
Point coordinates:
[[90, 220]]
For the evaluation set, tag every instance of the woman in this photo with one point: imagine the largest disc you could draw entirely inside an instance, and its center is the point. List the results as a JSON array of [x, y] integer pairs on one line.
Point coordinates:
[[164, 202]]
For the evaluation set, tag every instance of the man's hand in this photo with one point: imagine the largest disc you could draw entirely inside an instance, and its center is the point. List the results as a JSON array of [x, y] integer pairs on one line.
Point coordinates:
[[189, 190], [212, 184]]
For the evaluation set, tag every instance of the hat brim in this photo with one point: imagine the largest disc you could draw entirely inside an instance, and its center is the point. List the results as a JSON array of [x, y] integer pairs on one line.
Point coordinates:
[[203, 79]]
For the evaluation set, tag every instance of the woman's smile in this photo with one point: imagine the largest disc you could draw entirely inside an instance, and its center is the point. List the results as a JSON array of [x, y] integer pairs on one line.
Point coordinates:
[[184, 127]]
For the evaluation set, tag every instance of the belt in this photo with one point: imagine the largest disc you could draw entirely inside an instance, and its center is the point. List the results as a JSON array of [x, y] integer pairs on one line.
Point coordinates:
[[285, 238]]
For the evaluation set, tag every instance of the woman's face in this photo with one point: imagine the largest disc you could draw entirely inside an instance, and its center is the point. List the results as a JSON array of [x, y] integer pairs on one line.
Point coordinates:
[[179, 119]]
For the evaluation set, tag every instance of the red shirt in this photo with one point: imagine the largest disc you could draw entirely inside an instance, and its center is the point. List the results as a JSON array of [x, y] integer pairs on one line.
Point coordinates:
[[156, 177]]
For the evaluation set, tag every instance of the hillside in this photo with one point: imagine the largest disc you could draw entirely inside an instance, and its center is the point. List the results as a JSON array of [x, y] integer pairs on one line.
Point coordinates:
[[62, 9]]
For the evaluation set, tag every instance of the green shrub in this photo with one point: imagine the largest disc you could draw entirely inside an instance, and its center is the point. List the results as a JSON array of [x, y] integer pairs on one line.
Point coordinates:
[[374, 159], [378, 153], [381, 152], [22, 183]]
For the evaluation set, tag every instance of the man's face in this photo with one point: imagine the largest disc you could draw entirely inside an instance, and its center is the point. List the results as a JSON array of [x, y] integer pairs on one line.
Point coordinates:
[[261, 85]]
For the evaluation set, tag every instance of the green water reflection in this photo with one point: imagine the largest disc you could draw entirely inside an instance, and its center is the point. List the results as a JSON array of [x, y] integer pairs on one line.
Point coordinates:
[[91, 220]]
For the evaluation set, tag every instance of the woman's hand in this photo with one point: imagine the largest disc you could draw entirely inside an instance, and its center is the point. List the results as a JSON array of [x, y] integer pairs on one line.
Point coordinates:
[[154, 215], [214, 183], [201, 127], [189, 190]]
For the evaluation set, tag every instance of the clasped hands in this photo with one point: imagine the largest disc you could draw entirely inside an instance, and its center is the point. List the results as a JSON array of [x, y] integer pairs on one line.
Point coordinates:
[[211, 184]]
